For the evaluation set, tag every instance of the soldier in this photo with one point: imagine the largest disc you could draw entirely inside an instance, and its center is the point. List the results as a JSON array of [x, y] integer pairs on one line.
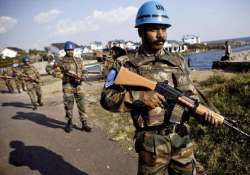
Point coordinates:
[[72, 70], [7, 77], [17, 74], [33, 80], [163, 147]]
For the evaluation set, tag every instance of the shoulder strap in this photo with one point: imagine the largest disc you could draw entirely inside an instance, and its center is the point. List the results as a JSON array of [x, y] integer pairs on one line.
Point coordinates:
[[173, 59]]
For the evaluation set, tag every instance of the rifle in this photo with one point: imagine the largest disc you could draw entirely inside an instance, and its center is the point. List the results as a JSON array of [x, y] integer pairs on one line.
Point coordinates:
[[28, 78], [5, 77], [76, 77], [128, 78]]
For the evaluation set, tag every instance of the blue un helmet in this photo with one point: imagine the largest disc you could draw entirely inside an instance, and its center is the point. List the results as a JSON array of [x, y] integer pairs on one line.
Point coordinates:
[[152, 12], [69, 45], [26, 59]]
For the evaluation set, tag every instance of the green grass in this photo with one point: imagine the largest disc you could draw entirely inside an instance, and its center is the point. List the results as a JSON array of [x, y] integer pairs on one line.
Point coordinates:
[[220, 149]]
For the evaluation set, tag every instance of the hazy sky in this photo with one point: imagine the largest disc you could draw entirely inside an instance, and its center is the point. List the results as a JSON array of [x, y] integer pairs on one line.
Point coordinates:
[[37, 23]]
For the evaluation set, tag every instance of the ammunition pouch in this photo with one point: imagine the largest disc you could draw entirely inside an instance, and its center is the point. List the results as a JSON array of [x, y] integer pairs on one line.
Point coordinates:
[[176, 113]]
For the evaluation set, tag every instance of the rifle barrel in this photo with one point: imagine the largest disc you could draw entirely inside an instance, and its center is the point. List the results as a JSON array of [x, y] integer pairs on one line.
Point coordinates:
[[230, 125]]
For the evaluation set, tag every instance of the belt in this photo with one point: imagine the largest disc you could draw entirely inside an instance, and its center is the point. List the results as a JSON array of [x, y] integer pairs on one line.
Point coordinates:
[[160, 129]]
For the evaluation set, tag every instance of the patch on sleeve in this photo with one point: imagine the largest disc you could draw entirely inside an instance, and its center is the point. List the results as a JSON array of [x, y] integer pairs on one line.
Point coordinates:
[[110, 78]]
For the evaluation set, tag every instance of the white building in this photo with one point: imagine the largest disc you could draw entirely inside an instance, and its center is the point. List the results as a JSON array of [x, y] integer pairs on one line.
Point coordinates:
[[130, 45], [9, 52], [86, 49], [117, 43], [191, 39], [175, 46], [96, 46]]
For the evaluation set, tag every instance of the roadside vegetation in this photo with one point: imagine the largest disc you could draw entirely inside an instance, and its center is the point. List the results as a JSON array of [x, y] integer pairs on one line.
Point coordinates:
[[221, 150]]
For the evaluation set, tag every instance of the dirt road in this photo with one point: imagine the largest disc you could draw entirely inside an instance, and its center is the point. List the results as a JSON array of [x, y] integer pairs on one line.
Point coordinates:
[[34, 142]]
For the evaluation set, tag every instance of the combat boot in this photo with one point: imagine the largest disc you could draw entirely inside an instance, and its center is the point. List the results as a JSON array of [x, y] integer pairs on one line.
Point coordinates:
[[35, 107], [68, 127], [40, 103], [85, 127]]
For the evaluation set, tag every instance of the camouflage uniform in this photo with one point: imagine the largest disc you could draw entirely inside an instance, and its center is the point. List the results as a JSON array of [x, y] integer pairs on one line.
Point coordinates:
[[72, 89], [163, 147], [33, 86], [9, 82], [17, 74]]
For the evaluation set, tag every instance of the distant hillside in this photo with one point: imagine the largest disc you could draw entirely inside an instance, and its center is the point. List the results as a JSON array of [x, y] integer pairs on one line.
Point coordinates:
[[245, 39]]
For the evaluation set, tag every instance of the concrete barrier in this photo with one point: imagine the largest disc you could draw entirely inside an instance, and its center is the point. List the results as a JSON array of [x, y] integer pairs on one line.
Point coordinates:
[[40, 66]]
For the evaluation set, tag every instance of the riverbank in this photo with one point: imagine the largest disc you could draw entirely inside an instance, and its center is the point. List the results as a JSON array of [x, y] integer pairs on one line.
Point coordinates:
[[202, 75], [241, 56], [204, 60]]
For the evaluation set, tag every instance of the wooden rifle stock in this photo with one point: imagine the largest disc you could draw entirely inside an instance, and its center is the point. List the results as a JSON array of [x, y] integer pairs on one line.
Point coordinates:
[[28, 78], [128, 78], [74, 76]]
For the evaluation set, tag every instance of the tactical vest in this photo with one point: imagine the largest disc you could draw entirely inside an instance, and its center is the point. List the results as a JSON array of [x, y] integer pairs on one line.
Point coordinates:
[[73, 65], [30, 71], [169, 68]]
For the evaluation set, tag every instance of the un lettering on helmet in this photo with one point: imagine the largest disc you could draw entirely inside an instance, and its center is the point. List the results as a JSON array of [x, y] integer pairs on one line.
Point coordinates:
[[152, 12], [69, 45]]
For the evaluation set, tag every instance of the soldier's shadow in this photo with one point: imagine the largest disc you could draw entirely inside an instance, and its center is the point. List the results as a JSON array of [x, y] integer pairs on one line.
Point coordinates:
[[41, 159], [40, 119], [18, 104]]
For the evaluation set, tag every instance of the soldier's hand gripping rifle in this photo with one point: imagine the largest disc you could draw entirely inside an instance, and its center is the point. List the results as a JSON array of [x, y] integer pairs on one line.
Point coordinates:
[[28, 78], [76, 77], [128, 78]]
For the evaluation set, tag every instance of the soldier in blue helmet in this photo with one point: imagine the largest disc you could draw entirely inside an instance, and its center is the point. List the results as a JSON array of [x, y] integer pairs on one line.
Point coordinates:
[[32, 80], [72, 67], [163, 147]]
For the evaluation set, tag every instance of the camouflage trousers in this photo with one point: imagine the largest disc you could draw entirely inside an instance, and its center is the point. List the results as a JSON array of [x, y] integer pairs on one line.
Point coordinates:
[[9, 84], [35, 93], [70, 94], [20, 85], [161, 154]]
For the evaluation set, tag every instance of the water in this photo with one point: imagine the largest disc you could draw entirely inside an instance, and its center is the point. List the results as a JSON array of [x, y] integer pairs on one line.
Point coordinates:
[[204, 61]]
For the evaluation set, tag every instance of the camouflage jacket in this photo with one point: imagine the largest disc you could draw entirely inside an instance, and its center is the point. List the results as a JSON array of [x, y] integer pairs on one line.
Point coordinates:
[[72, 65], [30, 74], [17, 72], [161, 67]]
